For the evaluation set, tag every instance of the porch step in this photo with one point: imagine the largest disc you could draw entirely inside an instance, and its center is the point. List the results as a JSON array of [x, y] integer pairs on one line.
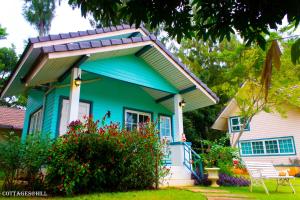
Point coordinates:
[[179, 172], [177, 182], [178, 176]]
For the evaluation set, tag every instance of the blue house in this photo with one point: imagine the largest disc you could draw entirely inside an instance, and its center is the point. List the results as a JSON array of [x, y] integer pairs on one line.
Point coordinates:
[[120, 70]]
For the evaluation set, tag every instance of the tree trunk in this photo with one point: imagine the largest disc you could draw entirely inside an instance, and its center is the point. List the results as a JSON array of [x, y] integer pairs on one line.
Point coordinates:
[[241, 132], [238, 137]]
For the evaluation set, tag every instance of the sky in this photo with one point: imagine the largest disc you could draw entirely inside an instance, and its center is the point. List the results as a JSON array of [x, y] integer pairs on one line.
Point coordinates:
[[19, 30]]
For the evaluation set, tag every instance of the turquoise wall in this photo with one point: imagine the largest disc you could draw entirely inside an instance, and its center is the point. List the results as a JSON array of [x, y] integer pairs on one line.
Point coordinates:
[[129, 69], [114, 95], [105, 94], [34, 102]]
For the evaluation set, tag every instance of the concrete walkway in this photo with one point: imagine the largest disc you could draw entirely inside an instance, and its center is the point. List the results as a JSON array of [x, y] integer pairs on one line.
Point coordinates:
[[216, 194]]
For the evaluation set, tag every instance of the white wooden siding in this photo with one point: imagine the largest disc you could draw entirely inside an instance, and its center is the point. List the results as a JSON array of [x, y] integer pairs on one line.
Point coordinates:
[[272, 125]]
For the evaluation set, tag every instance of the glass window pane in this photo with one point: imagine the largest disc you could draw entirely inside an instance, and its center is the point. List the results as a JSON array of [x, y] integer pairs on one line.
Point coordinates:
[[131, 117], [235, 121], [258, 147], [286, 145], [271, 146], [235, 128], [165, 126], [168, 122], [246, 148]]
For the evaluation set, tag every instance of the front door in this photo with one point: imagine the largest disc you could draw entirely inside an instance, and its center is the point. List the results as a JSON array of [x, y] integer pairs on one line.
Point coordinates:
[[84, 110]]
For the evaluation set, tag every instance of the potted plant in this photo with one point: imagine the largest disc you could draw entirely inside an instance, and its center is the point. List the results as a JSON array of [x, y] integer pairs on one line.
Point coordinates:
[[212, 171]]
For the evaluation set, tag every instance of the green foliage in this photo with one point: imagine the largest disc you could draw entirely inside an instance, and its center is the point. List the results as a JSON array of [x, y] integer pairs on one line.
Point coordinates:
[[8, 61], [10, 159], [295, 52], [218, 154], [34, 154], [39, 13], [23, 160], [204, 19], [223, 67], [284, 91], [90, 159], [2, 32]]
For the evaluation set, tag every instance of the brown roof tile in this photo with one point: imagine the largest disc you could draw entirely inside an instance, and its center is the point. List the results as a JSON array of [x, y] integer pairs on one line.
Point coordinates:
[[11, 117]]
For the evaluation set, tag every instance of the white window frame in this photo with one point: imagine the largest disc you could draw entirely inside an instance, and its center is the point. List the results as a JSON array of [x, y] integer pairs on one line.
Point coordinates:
[[237, 125], [138, 113], [161, 117], [264, 145], [35, 121]]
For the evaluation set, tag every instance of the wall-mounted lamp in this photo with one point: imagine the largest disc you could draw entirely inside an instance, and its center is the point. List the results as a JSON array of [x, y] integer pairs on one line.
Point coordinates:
[[182, 103], [78, 81]]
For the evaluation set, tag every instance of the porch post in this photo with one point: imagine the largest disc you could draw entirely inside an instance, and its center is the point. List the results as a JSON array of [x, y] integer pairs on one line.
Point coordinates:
[[74, 94], [178, 118]]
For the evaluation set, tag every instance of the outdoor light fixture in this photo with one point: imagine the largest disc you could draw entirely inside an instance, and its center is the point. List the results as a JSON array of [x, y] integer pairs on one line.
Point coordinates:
[[78, 81], [182, 103]]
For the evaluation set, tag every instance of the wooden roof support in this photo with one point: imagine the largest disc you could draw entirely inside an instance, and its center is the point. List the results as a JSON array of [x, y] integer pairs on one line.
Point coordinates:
[[186, 90]]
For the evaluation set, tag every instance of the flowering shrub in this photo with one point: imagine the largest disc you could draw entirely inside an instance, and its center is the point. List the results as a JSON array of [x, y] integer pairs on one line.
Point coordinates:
[[226, 180], [220, 155], [92, 159]]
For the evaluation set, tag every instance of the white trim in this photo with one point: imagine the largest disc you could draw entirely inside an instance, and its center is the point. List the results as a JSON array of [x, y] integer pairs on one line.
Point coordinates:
[[169, 137], [138, 113], [74, 95], [265, 148], [17, 71], [87, 37], [37, 69], [36, 121], [178, 118], [221, 115], [96, 50]]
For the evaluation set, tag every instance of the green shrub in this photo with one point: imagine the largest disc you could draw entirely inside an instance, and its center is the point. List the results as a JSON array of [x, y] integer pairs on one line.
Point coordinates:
[[90, 159], [35, 151], [23, 161], [10, 159], [220, 155]]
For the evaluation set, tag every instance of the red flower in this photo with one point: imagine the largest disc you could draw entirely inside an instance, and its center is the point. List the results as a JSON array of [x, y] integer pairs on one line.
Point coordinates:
[[235, 162]]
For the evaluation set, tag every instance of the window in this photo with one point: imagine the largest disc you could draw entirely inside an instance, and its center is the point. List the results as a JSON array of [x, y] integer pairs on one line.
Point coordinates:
[[165, 127], [236, 124], [258, 147], [36, 121], [134, 118], [271, 146], [286, 145], [84, 110], [246, 148], [274, 146]]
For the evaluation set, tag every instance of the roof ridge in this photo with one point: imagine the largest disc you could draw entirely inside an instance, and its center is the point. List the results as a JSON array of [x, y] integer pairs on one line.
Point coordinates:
[[60, 36], [11, 108], [95, 43]]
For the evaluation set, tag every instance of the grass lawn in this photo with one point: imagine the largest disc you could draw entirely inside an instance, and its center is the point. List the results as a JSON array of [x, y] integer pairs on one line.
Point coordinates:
[[284, 192], [165, 194], [174, 194]]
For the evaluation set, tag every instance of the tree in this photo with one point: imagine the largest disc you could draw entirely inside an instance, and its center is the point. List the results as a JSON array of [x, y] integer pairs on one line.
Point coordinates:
[[205, 19], [2, 32], [8, 60], [39, 13], [220, 66], [284, 90]]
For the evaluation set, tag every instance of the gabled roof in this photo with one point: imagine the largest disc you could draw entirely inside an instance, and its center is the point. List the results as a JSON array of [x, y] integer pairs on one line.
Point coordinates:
[[48, 57], [11, 118], [221, 122], [77, 34]]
